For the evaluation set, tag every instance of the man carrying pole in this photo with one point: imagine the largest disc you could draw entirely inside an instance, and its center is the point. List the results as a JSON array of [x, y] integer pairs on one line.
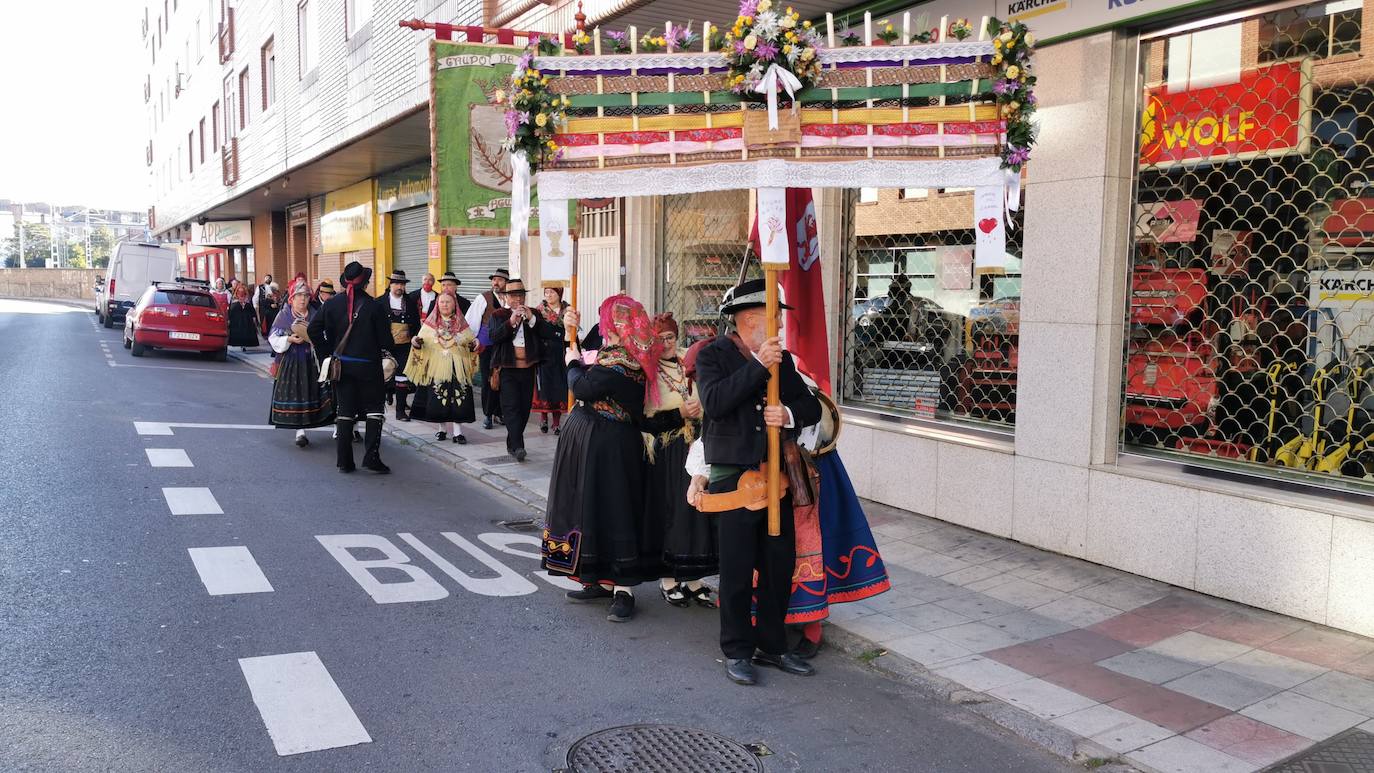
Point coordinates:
[[735, 375]]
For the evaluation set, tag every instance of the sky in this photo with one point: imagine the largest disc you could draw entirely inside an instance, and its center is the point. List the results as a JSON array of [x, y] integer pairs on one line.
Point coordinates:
[[73, 129]]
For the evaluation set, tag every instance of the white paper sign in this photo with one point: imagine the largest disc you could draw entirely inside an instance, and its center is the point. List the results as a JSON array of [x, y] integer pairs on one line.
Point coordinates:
[[772, 221], [555, 241], [990, 253]]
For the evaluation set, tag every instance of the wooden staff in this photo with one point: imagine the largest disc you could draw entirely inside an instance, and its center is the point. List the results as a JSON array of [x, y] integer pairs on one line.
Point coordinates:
[[572, 329], [770, 282]]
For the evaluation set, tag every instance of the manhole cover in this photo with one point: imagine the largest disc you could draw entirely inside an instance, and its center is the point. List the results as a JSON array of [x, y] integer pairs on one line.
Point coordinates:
[[1349, 752], [659, 749], [522, 525]]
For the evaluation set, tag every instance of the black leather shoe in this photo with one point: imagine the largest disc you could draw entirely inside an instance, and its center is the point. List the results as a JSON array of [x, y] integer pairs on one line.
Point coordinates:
[[347, 468], [486, 423], [461, 440], [376, 466], [519, 454], [787, 662], [589, 593], [622, 608], [440, 435], [741, 671], [806, 649]]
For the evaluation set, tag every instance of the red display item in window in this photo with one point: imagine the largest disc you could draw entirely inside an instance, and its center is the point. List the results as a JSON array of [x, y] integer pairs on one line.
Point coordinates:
[[1167, 296], [1170, 382]]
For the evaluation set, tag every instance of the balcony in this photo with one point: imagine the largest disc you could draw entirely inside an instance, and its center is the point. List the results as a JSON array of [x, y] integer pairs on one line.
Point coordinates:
[[226, 37], [229, 161]]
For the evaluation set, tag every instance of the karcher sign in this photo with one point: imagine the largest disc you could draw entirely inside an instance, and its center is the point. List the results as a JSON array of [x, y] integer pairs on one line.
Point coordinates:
[[1051, 19]]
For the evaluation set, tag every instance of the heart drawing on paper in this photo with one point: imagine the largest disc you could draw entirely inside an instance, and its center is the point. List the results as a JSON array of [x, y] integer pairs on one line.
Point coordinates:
[[987, 225]]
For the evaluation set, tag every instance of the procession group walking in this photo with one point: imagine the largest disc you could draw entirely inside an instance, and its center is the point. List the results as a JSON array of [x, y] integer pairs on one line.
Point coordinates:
[[660, 450]]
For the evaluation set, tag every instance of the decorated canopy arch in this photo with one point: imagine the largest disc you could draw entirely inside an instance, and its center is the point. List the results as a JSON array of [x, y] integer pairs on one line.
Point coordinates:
[[772, 103]]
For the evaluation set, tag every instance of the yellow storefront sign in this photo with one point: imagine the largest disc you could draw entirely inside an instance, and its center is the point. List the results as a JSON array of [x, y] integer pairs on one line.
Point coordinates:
[[347, 223]]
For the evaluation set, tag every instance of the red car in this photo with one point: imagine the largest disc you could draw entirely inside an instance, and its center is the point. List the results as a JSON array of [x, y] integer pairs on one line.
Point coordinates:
[[180, 315]]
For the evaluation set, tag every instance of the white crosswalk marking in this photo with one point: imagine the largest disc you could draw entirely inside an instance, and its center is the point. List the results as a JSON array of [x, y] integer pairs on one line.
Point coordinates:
[[191, 501], [300, 704], [168, 457], [152, 428], [228, 570]]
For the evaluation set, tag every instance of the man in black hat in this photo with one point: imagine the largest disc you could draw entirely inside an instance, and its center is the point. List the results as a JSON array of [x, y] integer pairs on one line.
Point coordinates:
[[478, 316], [519, 344], [353, 327], [732, 376], [450, 283], [404, 315]]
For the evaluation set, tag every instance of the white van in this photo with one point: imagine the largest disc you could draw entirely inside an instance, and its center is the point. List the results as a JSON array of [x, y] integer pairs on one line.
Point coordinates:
[[133, 267]]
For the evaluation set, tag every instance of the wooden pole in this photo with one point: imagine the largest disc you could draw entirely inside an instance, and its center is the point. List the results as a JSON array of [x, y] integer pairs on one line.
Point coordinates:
[[770, 280], [572, 329]]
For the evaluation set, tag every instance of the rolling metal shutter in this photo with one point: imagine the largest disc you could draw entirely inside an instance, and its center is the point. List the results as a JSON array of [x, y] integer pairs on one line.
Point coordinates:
[[410, 242], [474, 258]]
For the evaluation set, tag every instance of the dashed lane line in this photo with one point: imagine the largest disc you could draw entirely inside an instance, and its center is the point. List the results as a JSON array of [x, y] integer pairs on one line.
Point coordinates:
[[168, 457], [191, 501], [225, 571], [166, 427], [301, 706]]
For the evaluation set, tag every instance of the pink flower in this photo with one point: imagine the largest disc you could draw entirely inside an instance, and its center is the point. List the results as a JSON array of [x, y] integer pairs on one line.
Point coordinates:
[[748, 7], [1018, 156]]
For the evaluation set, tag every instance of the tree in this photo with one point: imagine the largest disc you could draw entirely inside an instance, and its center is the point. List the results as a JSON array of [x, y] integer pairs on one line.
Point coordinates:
[[37, 244], [102, 244], [76, 256]]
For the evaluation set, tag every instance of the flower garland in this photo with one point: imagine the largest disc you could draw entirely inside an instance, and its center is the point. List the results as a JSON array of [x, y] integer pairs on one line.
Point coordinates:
[[1012, 45], [533, 113], [763, 37]]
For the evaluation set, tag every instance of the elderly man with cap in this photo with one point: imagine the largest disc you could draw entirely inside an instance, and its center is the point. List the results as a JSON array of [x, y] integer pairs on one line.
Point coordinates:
[[519, 338], [478, 316], [405, 319], [353, 327], [732, 377]]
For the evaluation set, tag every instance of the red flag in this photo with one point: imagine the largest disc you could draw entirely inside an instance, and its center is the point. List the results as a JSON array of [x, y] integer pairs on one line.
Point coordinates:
[[804, 329]]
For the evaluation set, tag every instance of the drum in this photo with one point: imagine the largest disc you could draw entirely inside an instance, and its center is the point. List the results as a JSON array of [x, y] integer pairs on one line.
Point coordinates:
[[829, 425]]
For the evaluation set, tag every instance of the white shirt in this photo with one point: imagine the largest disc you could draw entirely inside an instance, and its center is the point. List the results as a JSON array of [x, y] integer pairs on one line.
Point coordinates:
[[426, 298], [476, 310], [696, 459], [398, 304]]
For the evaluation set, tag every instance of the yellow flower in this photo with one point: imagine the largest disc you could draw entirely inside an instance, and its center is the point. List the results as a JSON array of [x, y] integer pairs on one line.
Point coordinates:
[[541, 120], [808, 54], [791, 36], [751, 41], [787, 22], [765, 5], [997, 44], [564, 98], [552, 145], [806, 25], [1013, 72], [1030, 39], [499, 96], [996, 58], [787, 49], [1014, 105], [544, 81]]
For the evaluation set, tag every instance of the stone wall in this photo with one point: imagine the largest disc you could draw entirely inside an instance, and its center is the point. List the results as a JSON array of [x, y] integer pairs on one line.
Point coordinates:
[[74, 283]]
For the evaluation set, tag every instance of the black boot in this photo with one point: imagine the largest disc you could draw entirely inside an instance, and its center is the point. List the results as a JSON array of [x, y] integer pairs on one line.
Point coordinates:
[[372, 444], [402, 411], [343, 442]]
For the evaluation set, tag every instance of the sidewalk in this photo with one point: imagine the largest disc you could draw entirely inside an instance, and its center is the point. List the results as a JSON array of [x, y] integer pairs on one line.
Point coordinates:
[[1095, 663]]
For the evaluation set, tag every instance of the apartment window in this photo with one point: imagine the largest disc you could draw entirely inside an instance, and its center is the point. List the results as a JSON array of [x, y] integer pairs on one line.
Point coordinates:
[[307, 37], [198, 40], [868, 195], [269, 74], [201, 140], [356, 14], [908, 194], [190, 152], [214, 128], [230, 107], [243, 98]]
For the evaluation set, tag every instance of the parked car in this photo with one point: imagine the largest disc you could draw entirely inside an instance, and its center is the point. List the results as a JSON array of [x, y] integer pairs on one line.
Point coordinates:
[[920, 338], [133, 267], [179, 315]]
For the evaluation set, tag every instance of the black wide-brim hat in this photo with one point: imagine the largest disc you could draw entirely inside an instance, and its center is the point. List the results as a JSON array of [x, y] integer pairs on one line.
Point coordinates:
[[750, 295], [515, 287], [398, 277], [354, 270], [449, 276], [500, 272]]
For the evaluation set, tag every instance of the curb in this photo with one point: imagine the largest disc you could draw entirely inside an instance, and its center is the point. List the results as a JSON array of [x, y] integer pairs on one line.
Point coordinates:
[[1022, 724], [79, 303], [505, 486]]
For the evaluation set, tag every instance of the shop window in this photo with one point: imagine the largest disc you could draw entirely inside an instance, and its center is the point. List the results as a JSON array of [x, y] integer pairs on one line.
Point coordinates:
[[705, 238], [1250, 311], [1317, 30], [927, 334]]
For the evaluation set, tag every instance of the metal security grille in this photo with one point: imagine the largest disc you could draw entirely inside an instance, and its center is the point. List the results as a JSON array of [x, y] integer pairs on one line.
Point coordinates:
[[410, 242], [705, 238], [925, 333], [473, 258], [1251, 297]]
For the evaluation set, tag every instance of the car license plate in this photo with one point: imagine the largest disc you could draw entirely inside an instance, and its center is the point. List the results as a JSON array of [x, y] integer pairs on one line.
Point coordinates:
[[180, 336]]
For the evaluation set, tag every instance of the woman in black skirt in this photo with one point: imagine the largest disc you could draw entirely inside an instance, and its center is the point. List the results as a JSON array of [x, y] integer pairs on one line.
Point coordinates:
[[299, 400], [243, 319], [442, 362], [688, 538], [551, 379], [594, 529]]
